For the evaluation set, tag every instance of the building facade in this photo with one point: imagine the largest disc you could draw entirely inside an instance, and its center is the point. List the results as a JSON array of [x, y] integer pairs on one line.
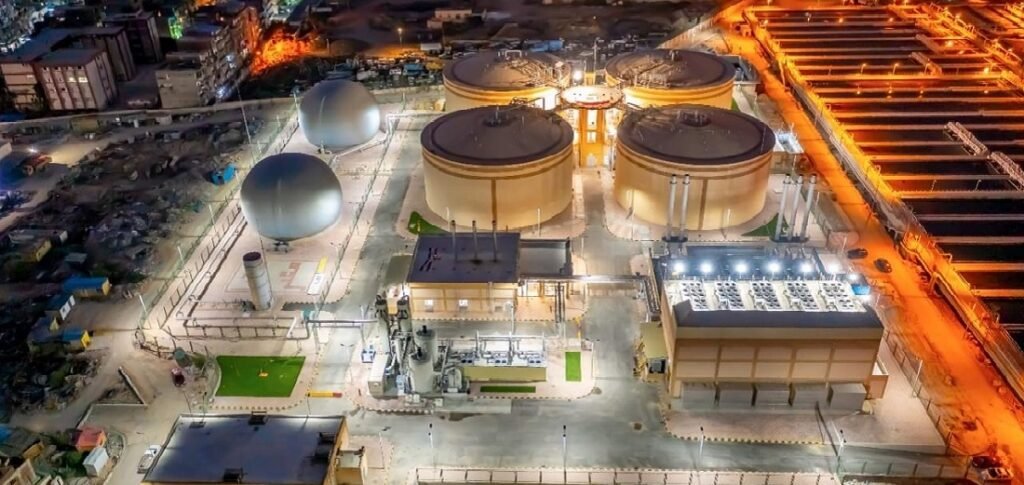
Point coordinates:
[[76, 79], [113, 41], [143, 37]]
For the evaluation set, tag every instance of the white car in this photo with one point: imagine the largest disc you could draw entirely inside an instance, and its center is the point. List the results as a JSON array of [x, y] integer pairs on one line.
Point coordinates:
[[148, 458]]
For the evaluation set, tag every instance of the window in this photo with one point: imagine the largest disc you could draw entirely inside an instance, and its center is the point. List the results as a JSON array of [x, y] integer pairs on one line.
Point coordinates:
[[83, 79], [428, 305], [463, 305]]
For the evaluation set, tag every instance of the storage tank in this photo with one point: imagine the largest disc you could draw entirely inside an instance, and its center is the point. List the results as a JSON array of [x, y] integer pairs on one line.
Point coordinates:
[[510, 164], [258, 279], [726, 154], [290, 196], [426, 340], [661, 77], [421, 372], [499, 77], [338, 113]]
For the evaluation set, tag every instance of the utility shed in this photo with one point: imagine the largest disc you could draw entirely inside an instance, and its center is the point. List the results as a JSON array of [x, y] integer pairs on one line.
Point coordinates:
[[464, 273]]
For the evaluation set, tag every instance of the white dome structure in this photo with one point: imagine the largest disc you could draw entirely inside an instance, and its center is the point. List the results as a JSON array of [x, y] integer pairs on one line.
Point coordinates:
[[290, 196], [338, 113]]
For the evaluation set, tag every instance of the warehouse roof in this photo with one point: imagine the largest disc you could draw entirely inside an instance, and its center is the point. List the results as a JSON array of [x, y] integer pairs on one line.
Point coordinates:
[[279, 450], [507, 70], [670, 68], [497, 135], [689, 134], [444, 258]]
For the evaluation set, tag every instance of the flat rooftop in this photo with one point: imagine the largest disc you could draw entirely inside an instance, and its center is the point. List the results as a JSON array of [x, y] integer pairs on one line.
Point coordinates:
[[438, 258], [70, 57], [203, 449], [541, 258]]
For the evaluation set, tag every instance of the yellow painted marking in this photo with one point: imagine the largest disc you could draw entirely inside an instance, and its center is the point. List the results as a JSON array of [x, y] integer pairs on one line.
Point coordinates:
[[322, 266]]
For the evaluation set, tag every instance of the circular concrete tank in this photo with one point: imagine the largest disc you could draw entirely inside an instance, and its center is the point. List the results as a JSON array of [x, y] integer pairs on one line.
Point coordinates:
[[500, 163], [661, 77], [727, 155], [499, 77], [339, 113], [290, 196]]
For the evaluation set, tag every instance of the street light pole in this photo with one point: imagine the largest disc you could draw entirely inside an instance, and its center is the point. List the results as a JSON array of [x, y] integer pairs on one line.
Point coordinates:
[[380, 442], [700, 449], [565, 447], [430, 436]]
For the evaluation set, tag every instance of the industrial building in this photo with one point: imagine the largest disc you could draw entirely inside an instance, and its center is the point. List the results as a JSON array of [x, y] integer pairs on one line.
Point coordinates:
[[256, 448], [339, 113], [661, 77], [290, 196], [484, 274], [501, 77], [744, 327], [712, 162], [511, 166], [76, 79], [594, 111]]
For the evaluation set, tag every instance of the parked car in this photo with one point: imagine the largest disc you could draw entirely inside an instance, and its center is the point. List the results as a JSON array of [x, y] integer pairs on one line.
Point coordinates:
[[857, 253], [148, 458], [883, 265]]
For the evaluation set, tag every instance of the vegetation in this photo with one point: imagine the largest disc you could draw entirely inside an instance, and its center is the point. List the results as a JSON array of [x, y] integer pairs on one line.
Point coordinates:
[[253, 376], [735, 107], [768, 229], [509, 389], [573, 370], [419, 225]]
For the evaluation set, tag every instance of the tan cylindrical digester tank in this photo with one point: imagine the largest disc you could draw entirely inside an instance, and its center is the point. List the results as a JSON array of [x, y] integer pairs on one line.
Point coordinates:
[[499, 77], [510, 164], [727, 155], [661, 77]]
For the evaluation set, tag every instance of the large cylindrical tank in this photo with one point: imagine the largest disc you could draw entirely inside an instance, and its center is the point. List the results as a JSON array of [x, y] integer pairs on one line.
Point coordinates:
[[290, 196], [510, 164], [727, 155], [338, 113], [421, 373], [499, 77], [426, 340], [661, 77], [258, 279]]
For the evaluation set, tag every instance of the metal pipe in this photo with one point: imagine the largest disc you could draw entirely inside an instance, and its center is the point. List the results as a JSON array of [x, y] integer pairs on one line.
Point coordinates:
[[808, 206], [455, 249], [686, 203], [494, 235], [476, 244], [671, 207], [780, 221], [791, 231]]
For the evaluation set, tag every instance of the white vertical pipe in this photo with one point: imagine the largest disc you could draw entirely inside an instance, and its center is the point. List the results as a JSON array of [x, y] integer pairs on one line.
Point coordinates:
[[782, 208], [686, 203], [796, 206], [671, 207], [808, 206]]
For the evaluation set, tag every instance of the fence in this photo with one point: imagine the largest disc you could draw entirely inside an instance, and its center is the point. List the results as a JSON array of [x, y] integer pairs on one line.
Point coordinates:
[[608, 476], [157, 310]]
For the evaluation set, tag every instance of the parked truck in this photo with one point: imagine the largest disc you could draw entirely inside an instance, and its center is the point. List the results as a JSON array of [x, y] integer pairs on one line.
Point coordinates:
[[34, 163]]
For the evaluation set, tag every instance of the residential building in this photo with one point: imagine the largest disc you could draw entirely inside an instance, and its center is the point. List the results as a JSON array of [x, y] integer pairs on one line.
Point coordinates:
[[18, 69], [257, 448], [17, 471], [76, 79], [143, 37], [210, 57], [113, 41]]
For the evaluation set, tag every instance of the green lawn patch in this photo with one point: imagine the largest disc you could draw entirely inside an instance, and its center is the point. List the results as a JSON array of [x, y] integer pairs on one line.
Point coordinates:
[[573, 371], [419, 225], [509, 389], [735, 107], [767, 230], [252, 376]]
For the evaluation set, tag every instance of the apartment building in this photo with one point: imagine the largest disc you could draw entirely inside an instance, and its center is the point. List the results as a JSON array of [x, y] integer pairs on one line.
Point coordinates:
[[76, 79], [143, 37], [113, 41]]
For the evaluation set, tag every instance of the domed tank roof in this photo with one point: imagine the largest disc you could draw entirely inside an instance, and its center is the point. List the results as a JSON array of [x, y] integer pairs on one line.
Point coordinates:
[[496, 135], [290, 196], [507, 70], [339, 113], [670, 68], [690, 134]]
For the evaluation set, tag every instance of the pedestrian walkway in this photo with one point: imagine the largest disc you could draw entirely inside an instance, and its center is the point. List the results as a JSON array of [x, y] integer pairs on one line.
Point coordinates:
[[613, 476]]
